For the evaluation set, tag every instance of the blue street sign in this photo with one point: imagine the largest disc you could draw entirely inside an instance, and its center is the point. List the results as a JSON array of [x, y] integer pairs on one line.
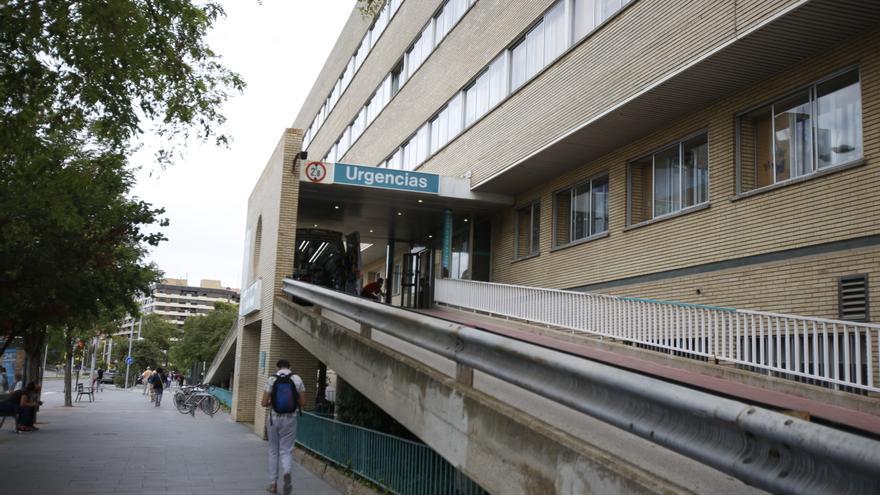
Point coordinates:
[[384, 178], [129, 360]]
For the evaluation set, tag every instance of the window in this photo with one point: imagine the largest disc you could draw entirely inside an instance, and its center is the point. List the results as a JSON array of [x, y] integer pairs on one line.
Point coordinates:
[[456, 115], [361, 54], [420, 50], [397, 78], [460, 255], [358, 125], [669, 180], [374, 106], [440, 130], [555, 33], [443, 22], [489, 89], [584, 17], [800, 134], [605, 9], [497, 80], [422, 141], [581, 211], [528, 228], [528, 57], [395, 279], [408, 155]]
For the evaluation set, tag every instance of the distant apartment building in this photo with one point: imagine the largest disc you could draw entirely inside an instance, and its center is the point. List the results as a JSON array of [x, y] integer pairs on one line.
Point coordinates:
[[175, 300]]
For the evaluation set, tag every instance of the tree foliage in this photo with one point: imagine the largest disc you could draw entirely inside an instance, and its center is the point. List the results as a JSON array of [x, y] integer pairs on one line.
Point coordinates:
[[354, 408], [103, 68], [150, 350], [79, 82], [369, 8], [203, 335]]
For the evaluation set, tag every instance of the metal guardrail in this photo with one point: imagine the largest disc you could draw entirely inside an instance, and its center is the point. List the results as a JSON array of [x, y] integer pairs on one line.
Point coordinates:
[[769, 450], [398, 465], [834, 353]]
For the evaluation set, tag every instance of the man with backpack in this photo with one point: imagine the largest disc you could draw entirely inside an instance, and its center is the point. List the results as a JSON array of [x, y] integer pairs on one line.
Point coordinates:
[[283, 396], [157, 380]]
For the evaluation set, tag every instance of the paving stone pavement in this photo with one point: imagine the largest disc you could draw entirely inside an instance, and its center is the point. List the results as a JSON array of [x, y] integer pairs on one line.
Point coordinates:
[[121, 444]]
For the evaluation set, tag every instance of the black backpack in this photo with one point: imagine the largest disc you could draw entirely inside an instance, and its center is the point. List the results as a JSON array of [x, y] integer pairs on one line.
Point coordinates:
[[285, 396]]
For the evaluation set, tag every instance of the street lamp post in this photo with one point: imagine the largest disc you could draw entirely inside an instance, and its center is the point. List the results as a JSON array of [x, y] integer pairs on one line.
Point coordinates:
[[127, 364]]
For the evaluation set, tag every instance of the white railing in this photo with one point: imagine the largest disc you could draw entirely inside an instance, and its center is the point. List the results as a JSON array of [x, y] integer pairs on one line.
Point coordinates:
[[822, 351]]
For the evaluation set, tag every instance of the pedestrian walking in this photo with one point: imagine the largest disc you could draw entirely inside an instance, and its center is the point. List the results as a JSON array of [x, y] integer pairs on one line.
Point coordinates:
[[145, 376], [283, 396], [158, 381], [99, 379]]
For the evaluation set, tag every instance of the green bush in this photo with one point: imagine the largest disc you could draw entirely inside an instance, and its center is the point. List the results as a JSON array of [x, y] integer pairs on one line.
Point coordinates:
[[119, 379]]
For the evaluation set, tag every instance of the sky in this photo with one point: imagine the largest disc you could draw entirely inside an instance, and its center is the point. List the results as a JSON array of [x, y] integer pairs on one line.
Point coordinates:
[[278, 47]]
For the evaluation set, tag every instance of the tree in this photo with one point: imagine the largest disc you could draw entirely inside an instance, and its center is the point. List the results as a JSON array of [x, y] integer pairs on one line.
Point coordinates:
[[79, 81], [203, 335], [354, 408], [152, 349], [369, 8]]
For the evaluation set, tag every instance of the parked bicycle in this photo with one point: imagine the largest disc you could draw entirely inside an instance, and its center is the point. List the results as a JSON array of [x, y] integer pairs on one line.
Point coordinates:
[[189, 398]]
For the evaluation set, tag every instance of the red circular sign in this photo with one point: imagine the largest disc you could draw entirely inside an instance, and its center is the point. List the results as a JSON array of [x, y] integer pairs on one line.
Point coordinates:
[[316, 171]]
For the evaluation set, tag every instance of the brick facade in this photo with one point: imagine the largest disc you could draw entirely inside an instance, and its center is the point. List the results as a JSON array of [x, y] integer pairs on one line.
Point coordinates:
[[272, 213]]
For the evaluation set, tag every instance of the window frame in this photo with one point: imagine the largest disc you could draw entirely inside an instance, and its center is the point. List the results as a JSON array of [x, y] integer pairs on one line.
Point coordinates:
[[534, 250], [771, 102], [682, 209], [605, 174]]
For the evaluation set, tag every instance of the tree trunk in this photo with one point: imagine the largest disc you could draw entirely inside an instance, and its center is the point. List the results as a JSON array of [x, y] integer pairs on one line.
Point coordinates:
[[68, 368], [34, 342]]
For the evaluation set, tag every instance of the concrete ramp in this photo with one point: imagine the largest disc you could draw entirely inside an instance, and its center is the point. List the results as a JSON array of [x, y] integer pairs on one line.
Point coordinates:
[[501, 447], [222, 366]]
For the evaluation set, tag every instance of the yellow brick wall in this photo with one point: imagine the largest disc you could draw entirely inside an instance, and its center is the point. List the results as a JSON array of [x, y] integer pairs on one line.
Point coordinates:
[[804, 286], [273, 204], [838, 206], [247, 352]]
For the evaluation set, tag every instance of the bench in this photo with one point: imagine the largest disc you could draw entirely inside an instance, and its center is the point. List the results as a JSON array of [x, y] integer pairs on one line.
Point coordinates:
[[80, 391]]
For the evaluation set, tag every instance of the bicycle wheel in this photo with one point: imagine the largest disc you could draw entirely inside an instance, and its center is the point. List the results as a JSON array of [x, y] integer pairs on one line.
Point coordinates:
[[207, 405], [183, 405]]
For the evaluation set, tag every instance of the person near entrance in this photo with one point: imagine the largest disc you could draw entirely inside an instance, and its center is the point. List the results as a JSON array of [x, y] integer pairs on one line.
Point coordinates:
[[283, 396], [373, 290]]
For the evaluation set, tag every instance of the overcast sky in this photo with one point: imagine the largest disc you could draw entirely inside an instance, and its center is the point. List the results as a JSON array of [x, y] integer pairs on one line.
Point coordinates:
[[278, 47]]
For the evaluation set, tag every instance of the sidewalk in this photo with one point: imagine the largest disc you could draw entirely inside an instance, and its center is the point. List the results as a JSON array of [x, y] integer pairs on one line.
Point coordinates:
[[121, 444]]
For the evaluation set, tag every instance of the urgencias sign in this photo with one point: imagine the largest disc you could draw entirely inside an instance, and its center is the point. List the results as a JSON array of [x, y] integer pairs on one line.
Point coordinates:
[[358, 175]]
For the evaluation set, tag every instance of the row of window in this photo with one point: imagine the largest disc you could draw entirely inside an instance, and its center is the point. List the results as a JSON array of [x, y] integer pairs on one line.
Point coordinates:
[[561, 26], [811, 130], [814, 129], [425, 43], [354, 63]]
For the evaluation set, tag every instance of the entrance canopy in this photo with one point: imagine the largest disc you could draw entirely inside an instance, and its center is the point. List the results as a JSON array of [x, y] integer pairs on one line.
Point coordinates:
[[384, 204]]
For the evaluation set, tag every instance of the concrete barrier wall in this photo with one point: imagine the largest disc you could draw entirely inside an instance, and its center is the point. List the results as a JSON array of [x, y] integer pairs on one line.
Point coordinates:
[[502, 448]]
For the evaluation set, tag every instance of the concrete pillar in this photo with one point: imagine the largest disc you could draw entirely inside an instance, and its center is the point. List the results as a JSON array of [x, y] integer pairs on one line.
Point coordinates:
[[244, 385]]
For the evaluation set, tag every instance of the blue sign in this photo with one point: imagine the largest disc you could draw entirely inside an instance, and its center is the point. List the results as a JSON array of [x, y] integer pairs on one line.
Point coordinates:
[[9, 363], [447, 243], [385, 178], [129, 360]]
